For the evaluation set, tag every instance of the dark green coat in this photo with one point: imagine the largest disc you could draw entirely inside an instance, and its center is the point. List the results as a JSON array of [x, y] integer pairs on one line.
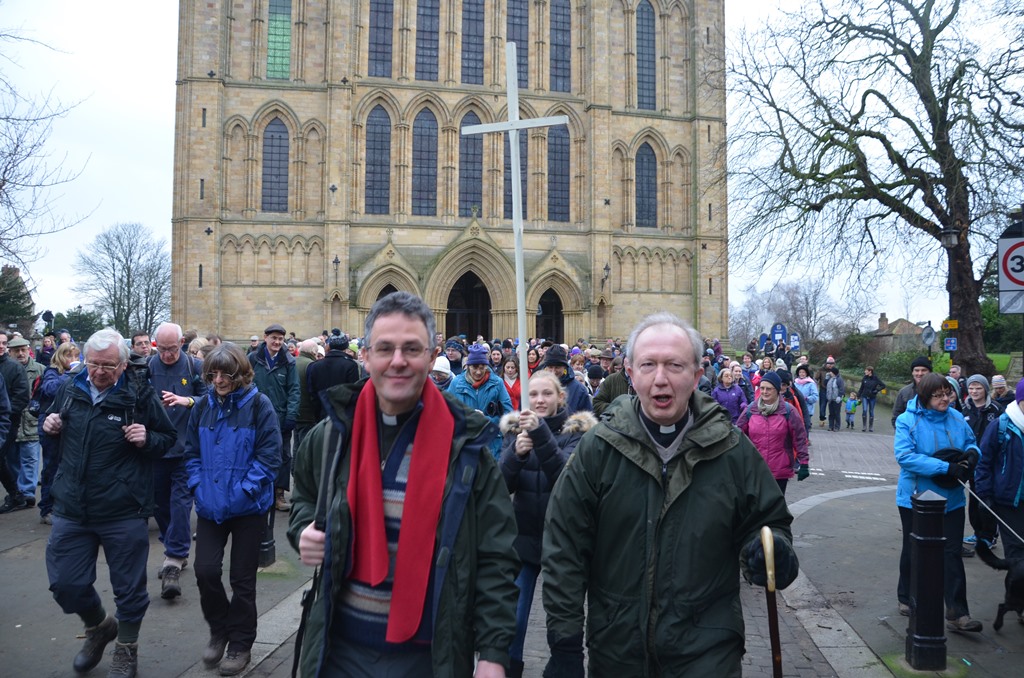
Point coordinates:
[[476, 611], [102, 477], [279, 382], [653, 548]]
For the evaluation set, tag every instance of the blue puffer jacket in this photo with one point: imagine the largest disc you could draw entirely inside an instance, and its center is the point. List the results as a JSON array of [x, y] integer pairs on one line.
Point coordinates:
[[491, 399], [1000, 474], [920, 433], [232, 452]]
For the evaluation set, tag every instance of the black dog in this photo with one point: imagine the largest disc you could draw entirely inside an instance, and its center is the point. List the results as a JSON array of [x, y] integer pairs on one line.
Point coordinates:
[[1014, 583]]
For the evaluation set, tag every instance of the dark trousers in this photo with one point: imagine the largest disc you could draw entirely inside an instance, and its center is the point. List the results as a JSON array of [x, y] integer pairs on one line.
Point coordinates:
[[173, 506], [71, 554], [1014, 517], [51, 460], [822, 404], [284, 472], [833, 416], [10, 459], [955, 580], [233, 619]]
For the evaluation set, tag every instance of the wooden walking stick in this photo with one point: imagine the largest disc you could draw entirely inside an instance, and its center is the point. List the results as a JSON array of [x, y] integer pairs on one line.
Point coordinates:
[[768, 542]]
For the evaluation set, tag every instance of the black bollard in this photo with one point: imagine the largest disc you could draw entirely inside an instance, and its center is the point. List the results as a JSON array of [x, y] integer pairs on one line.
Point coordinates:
[[926, 633], [268, 550]]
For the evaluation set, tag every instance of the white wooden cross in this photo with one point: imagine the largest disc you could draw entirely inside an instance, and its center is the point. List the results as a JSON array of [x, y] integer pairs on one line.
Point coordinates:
[[512, 126]]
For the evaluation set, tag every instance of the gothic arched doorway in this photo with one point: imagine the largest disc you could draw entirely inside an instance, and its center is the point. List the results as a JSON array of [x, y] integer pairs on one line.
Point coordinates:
[[550, 322], [388, 289], [469, 308]]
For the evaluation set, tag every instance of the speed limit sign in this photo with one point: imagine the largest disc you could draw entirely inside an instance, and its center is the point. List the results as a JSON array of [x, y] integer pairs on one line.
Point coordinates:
[[1011, 269]]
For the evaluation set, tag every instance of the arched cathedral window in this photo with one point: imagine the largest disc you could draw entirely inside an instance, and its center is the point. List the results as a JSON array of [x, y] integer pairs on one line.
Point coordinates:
[[378, 162], [424, 164], [275, 167]]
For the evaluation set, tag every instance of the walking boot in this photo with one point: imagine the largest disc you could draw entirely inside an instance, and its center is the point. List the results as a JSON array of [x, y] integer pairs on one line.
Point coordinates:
[[15, 502], [235, 662], [96, 639], [280, 503], [863, 424], [964, 623], [170, 587], [125, 663], [871, 425], [214, 650]]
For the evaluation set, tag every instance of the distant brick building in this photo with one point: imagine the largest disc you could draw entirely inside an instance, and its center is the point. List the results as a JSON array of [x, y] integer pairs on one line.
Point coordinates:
[[898, 335], [319, 164]]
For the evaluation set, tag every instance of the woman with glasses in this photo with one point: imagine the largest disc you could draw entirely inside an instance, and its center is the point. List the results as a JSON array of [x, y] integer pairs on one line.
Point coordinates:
[[936, 451], [232, 453]]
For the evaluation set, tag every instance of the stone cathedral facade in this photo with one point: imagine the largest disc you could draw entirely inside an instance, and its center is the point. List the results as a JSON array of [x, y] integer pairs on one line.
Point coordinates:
[[320, 163]]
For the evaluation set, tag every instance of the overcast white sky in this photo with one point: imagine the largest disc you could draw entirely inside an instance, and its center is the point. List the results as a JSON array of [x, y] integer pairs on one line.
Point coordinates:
[[119, 59]]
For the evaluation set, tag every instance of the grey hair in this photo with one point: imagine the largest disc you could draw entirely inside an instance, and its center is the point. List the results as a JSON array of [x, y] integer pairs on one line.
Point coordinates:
[[665, 318], [405, 303], [103, 339], [170, 326], [307, 347]]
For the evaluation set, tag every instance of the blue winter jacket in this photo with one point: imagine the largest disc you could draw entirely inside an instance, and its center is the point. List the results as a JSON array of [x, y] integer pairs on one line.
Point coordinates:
[[920, 433], [232, 452], [1000, 473], [491, 399]]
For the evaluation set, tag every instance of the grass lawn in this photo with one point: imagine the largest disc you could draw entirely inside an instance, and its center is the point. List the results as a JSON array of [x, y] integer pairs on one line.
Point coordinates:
[[1001, 360]]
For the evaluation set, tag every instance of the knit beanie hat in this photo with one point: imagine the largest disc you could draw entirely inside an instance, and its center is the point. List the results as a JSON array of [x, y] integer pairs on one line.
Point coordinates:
[[441, 364], [784, 376], [477, 355], [773, 379], [978, 379], [998, 381], [921, 361], [457, 345], [1020, 390], [595, 372], [556, 355]]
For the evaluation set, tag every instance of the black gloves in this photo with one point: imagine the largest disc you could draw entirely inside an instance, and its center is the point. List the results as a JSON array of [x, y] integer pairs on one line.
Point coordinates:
[[787, 567], [566, 657], [971, 457], [803, 473], [961, 470]]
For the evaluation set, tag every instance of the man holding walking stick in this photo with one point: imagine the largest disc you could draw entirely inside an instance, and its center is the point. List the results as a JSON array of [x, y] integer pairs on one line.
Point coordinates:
[[657, 511]]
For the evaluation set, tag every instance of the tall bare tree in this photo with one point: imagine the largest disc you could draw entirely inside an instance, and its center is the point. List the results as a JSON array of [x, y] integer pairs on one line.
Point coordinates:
[[127, 274], [28, 172], [867, 129]]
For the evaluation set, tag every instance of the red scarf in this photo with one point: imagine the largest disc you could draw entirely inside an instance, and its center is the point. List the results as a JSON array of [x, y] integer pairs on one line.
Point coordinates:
[[429, 468]]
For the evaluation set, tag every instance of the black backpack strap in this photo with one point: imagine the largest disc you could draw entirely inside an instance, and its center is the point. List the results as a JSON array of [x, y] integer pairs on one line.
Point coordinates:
[[328, 470]]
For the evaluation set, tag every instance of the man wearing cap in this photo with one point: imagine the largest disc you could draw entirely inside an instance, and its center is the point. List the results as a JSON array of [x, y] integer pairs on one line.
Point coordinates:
[[556, 360], [277, 377], [605, 360], [336, 368], [455, 351], [998, 476], [254, 344], [482, 390], [920, 367], [660, 472], [24, 463], [17, 384], [419, 565]]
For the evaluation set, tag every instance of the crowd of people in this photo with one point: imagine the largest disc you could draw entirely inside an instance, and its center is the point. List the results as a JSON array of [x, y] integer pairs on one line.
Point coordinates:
[[433, 491]]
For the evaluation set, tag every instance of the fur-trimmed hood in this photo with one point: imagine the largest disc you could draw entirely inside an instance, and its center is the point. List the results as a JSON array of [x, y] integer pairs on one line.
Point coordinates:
[[580, 422]]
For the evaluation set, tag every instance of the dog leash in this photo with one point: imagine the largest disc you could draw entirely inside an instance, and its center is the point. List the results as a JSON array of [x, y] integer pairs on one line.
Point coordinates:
[[989, 509]]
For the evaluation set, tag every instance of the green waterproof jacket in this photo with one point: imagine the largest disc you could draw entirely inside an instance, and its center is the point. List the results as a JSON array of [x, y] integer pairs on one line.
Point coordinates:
[[476, 607], [279, 382], [655, 549]]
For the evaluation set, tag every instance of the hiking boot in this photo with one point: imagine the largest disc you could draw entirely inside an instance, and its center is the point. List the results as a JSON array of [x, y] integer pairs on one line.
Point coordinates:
[[235, 662], [96, 640], [14, 502], [184, 564], [964, 623], [214, 650], [171, 587], [280, 503], [125, 663], [904, 609]]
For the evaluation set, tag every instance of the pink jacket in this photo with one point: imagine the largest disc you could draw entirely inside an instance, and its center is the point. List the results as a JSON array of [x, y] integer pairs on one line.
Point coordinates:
[[780, 438]]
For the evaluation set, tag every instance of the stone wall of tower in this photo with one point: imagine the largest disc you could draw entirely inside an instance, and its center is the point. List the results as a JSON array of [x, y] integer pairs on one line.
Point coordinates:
[[257, 267]]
